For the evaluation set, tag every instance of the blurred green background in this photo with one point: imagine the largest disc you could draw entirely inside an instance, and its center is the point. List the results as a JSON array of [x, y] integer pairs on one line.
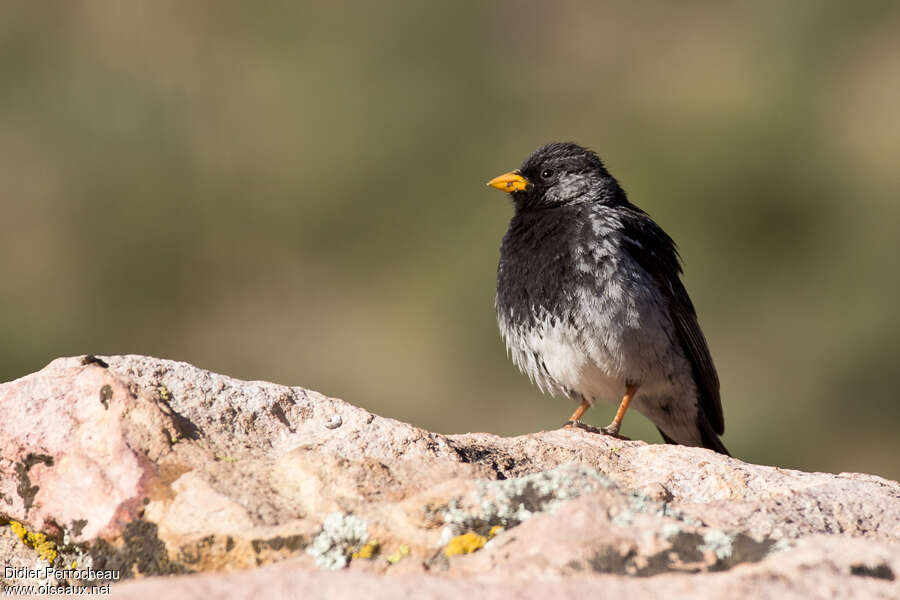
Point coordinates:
[[295, 192]]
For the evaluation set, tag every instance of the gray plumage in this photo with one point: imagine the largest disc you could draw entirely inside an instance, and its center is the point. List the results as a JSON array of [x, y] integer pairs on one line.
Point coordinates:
[[589, 299]]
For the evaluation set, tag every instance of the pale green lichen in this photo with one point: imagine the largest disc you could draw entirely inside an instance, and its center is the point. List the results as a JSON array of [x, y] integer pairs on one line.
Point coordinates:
[[782, 545], [342, 535], [670, 530], [718, 542], [507, 503], [511, 501], [640, 503]]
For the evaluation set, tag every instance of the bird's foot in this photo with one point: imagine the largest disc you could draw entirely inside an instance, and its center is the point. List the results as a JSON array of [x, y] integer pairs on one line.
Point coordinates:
[[575, 424], [609, 430]]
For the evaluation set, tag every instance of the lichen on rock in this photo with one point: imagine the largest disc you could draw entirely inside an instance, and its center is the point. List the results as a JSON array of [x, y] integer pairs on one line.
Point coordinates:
[[508, 502], [342, 535], [45, 548]]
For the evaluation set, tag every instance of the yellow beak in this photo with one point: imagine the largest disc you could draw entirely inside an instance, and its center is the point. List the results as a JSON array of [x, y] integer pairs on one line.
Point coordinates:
[[509, 182]]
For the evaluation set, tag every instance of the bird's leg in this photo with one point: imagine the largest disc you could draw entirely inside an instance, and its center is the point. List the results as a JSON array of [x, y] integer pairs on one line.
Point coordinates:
[[575, 419], [613, 428]]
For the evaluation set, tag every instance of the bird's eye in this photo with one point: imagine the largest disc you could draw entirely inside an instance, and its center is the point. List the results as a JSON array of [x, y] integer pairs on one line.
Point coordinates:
[[546, 173]]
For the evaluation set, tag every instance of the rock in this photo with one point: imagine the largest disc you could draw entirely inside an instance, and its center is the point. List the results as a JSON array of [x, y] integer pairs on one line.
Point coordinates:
[[182, 482]]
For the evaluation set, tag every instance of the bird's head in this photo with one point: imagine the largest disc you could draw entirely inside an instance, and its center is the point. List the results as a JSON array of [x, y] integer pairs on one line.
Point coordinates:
[[559, 174]]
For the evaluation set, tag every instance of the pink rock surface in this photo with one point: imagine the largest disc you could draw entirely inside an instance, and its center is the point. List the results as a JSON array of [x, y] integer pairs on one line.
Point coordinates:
[[815, 569], [66, 454], [192, 482]]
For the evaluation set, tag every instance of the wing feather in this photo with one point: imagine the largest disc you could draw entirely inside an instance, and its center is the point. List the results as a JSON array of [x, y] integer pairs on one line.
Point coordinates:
[[655, 251]]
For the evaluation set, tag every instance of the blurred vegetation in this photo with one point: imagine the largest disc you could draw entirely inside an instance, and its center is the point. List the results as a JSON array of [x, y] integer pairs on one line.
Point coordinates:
[[295, 192]]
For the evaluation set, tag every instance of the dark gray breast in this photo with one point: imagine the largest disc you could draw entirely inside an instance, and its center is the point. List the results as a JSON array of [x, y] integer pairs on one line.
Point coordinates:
[[547, 257], [538, 267]]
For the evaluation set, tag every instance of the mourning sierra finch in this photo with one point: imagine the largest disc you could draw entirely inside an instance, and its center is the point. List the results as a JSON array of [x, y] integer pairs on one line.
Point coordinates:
[[590, 301]]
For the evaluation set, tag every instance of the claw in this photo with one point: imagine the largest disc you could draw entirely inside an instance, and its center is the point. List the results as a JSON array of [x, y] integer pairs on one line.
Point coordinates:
[[582, 426], [611, 429]]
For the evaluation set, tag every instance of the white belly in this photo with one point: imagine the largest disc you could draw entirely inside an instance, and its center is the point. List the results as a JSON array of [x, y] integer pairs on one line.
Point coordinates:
[[558, 361]]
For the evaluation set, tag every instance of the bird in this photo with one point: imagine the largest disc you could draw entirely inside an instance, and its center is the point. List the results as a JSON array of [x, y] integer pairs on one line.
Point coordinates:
[[590, 302]]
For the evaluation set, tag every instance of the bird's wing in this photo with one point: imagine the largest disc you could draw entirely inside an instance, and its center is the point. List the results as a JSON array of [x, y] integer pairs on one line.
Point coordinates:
[[655, 251], [694, 344]]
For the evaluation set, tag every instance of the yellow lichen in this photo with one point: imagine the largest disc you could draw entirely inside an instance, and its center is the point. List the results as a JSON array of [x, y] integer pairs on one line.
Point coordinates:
[[19, 530], [466, 543], [164, 393], [45, 548], [495, 530], [401, 553], [367, 551]]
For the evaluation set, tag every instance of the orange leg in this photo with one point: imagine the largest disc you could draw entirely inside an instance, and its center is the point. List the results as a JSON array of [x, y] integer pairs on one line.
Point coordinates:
[[576, 416], [613, 428]]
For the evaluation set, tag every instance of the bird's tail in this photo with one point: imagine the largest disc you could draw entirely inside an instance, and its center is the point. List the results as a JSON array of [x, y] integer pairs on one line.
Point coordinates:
[[708, 437], [711, 439]]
